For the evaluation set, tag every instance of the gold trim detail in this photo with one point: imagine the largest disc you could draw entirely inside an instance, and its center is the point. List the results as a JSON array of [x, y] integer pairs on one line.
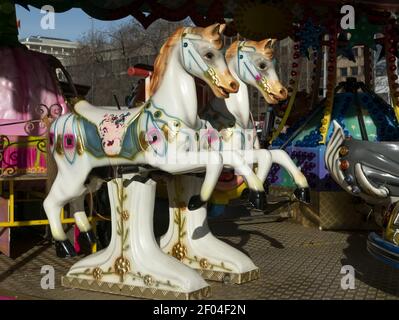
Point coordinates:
[[226, 134], [169, 134], [58, 146], [97, 273], [343, 151], [133, 291], [79, 146], [179, 251], [122, 266], [143, 141], [212, 76]]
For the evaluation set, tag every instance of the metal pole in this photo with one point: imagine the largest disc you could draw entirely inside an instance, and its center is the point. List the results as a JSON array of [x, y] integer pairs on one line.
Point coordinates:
[[325, 70], [92, 61], [11, 202]]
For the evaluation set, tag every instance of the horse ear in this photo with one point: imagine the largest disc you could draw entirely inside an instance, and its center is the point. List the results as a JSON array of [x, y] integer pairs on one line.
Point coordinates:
[[222, 27], [267, 43], [215, 29]]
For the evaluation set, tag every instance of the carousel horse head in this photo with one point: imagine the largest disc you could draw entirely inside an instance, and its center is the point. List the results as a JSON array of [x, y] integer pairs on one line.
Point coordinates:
[[199, 51], [254, 64]]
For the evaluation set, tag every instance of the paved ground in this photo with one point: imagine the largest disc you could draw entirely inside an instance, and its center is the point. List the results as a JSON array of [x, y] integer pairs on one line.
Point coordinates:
[[295, 263]]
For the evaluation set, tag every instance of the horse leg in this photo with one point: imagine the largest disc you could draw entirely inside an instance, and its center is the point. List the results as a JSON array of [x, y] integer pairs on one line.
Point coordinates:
[[87, 237], [262, 157], [186, 162], [257, 195], [302, 192], [62, 191]]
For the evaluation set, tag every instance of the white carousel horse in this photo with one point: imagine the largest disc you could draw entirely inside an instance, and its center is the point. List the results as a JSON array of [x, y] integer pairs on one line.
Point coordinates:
[[251, 63], [188, 237], [94, 137]]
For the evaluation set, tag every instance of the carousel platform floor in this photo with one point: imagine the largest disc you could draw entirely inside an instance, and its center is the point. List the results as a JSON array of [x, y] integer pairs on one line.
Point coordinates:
[[295, 263]]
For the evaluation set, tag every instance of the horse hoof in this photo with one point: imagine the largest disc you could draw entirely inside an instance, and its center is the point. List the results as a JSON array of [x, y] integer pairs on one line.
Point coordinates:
[[195, 203], [303, 195], [86, 241], [64, 249], [257, 199]]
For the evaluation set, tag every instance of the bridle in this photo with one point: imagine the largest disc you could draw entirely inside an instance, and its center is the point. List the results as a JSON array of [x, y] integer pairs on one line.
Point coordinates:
[[190, 55], [244, 64]]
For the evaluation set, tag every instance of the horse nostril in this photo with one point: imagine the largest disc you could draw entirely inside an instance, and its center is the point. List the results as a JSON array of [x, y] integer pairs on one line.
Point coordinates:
[[233, 85]]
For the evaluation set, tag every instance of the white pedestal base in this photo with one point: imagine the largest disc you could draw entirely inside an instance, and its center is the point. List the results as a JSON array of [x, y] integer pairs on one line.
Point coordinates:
[[189, 239], [133, 263]]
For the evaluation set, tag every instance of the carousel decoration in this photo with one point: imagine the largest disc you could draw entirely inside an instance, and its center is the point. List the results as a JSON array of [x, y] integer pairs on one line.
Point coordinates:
[[349, 136], [309, 40], [30, 99], [150, 135], [367, 168], [371, 118], [331, 80], [251, 63], [126, 267], [292, 90], [391, 47]]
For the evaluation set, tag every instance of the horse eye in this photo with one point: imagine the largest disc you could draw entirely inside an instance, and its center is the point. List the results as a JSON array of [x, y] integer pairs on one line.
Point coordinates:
[[209, 55], [262, 66]]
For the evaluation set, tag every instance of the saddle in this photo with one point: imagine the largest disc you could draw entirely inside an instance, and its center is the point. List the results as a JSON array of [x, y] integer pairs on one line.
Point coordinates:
[[96, 114], [108, 132]]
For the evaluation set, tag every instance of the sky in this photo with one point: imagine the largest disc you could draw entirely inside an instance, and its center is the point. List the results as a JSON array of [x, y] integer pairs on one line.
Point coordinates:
[[70, 25]]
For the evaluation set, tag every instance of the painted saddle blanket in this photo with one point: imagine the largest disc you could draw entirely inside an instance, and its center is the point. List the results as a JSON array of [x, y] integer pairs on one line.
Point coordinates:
[[109, 132]]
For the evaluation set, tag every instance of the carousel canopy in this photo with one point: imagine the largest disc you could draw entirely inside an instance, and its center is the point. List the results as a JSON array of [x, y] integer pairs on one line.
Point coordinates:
[[179, 9], [254, 19]]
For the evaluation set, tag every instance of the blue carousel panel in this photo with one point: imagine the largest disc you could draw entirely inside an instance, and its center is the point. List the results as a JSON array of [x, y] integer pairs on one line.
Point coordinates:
[[379, 120], [383, 250], [378, 116]]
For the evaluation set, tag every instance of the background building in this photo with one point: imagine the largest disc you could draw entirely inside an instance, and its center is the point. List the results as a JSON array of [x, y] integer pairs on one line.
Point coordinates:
[[60, 48], [347, 68]]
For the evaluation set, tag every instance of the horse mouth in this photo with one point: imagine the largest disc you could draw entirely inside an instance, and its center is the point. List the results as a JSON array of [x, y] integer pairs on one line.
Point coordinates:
[[272, 99], [223, 92]]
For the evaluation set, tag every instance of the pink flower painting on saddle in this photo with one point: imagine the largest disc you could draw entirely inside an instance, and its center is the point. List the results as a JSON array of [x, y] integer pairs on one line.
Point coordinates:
[[112, 129]]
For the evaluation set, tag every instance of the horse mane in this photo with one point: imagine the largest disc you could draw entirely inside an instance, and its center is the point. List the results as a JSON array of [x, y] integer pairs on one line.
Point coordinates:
[[161, 60], [232, 50], [267, 52]]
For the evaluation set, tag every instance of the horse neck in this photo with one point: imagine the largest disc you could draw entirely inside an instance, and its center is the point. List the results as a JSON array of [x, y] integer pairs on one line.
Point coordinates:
[[238, 103], [177, 93]]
